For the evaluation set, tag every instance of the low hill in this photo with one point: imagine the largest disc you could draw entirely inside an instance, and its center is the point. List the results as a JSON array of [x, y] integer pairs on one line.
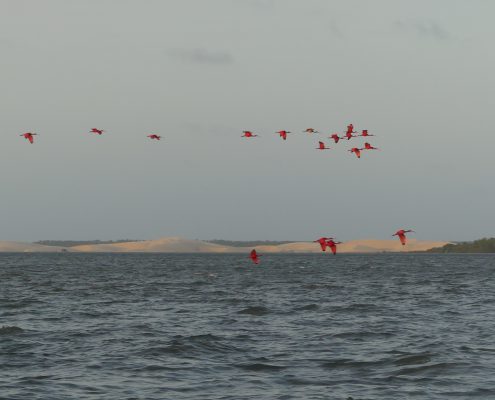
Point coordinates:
[[163, 245], [72, 243], [21, 247], [355, 246], [249, 243], [486, 245], [180, 245]]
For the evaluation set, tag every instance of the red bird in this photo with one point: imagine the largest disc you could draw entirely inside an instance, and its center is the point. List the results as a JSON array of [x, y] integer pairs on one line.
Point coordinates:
[[254, 256], [323, 242], [349, 132], [356, 151], [368, 146], [283, 134], [402, 235], [311, 130], [97, 131], [335, 137], [153, 136], [365, 133], [248, 134], [321, 146], [29, 136], [333, 245]]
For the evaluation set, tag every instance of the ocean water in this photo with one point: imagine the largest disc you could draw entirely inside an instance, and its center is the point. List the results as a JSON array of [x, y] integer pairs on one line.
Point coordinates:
[[161, 326]]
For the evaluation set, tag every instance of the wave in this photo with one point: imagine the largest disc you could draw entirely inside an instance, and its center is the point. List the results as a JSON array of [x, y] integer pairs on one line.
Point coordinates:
[[255, 310], [414, 359], [308, 307], [10, 330], [260, 367], [192, 345]]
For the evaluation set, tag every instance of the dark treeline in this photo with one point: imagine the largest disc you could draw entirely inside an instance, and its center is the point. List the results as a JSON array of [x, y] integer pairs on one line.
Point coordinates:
[[486, 245], [251, 243], [72, 243]]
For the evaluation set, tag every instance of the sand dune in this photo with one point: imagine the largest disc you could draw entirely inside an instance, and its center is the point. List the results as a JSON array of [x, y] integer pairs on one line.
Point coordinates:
[[355, 246], [180, 245], [163, 245]]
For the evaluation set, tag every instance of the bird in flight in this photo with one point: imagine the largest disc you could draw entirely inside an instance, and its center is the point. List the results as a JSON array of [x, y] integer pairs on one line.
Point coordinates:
[[254, 256], [283, 134], [248, 134], [321, 146], [365, 133], [349, 132], [311, 130], [335, 137], [333, 245], [356, 151], [323, 242], [401, 233], [153, 136], [29, 136], [368, 146], [97, 131]]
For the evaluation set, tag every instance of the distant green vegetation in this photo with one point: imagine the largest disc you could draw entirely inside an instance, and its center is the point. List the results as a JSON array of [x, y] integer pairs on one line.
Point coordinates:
[[251, 243], [72, 243], [486, 245]]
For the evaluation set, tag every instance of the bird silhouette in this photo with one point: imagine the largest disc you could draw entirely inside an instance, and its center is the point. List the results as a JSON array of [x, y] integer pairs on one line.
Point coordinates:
[[283, 134], [29, 136], [401, 233], [254, 256], [248, 134], [321, 146]]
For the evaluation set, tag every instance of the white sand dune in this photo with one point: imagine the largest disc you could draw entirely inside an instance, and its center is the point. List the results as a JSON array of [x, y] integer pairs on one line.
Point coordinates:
[[355, 246], [163, 245], [180, 245]]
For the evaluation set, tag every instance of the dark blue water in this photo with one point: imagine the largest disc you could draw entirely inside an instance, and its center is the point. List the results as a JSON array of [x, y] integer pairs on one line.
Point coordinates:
[[144, 326]]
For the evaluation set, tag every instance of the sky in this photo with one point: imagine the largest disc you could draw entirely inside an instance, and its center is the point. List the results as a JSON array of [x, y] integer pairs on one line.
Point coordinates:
[[417, 74]]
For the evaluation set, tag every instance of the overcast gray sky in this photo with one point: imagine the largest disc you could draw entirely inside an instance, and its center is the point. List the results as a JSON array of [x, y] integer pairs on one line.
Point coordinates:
[[418, 74]]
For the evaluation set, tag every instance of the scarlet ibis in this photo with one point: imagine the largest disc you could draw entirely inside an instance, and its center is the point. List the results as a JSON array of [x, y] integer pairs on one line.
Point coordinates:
[[365, 133], [323, 242], [356, 151], [335, 137], [283, 134], [248, 134], [368, 146], [333, 245], [254, 256], [97, 131], [29, 136], [349, 132], [311, 130], [153, 136], [321, 146], [401, 233]]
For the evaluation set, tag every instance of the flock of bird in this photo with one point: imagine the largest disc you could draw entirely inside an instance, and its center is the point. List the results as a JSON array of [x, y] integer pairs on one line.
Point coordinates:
[[349, 134], [325, 242], [330, 242], [29, 136]]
